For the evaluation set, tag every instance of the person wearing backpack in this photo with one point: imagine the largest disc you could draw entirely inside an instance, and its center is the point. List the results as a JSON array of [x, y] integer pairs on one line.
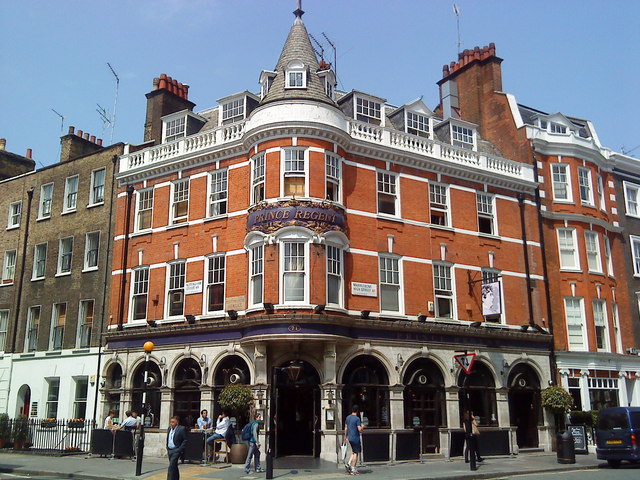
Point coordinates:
[[250, 435]]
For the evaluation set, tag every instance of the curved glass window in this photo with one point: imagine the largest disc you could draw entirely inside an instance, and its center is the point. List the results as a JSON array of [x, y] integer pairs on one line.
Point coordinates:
[[366, 384]]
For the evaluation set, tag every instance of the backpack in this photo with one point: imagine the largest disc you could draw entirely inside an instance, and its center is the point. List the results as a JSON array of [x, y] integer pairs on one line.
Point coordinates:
[[246, 432]]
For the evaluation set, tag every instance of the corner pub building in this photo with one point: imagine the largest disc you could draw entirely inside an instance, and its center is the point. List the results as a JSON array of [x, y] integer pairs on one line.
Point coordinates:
[[331, 229]]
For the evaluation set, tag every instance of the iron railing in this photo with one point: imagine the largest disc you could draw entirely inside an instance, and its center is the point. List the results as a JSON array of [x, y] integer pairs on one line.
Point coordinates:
[[53, 435]]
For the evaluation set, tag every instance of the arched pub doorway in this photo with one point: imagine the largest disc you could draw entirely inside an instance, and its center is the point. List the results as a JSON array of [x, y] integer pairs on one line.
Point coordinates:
[[297, 409], [186, 393], [424, 402], [524, 404], [480, 387], [232, 370], [154, 382]]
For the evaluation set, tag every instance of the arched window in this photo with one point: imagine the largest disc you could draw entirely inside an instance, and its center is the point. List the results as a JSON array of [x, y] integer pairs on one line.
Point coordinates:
[[479, 388], [232, 369], [154, 382], [366, 384], [186, 392], [114, 386], [424, 401]]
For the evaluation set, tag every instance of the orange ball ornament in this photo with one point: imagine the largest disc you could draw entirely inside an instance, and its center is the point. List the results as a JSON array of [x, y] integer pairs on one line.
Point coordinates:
[[148, 347]]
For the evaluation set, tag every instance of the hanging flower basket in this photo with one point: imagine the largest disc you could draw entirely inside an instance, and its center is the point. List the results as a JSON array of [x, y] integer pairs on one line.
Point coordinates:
[[556, 399], [75, 423], [48, 423]]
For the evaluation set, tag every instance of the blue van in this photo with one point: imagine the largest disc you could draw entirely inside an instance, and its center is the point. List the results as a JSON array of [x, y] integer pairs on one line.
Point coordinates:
[[618, 435]]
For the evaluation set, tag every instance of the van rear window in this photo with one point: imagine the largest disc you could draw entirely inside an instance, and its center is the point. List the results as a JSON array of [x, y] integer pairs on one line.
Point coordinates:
[[613, 421], [635, 419]]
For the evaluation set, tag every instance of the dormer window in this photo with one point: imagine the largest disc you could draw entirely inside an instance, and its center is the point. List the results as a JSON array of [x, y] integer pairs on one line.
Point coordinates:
[[418, 124], [175, 129], [368, 111], [180, 124], [552, 127], [266, 80], [462, 136], [233, 111], [328, 81], [296, 75]]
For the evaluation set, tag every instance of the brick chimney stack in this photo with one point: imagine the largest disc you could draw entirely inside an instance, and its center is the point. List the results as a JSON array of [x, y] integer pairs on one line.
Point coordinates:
[[12, 164], [75, 145], [168, 96]]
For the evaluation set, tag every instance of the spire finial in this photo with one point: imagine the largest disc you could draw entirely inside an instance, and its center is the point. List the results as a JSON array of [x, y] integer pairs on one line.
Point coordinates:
[[298, 12]]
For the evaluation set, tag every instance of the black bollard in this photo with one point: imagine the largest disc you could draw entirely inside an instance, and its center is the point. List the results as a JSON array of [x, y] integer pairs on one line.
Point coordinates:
[[269, 462]]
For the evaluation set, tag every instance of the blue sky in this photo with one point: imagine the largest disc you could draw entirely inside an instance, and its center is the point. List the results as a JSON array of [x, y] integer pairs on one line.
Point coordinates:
[[577, 57]]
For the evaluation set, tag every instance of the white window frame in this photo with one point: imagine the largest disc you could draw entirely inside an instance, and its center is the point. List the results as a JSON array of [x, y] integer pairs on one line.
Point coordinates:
[[581, 325], [80, 403], [634, 244], [418, 124], [607, 256], [233, 110], [51, 405], [55, 327], [85, 328], [15, 215], [182, 219], [451, 296], [70, 194], [388, 184], [256, 273], [4, 322], [87, 251], [333, 176], [37, 259], [62, 253], [9, 266], [305, 273], [258, 175], [615, 319], [218, 193], [567, 174], [31, 332], [45, 203], [463, 136], [602, 322], [487, 210], [179, 279], [174, 128], [585, 182], [631, 201], [294, 173], [444, 209], [94, 192], [212, 277], [297, 72], [386, 278], [368, 110], [142, 200], [335, 269], [600, 190], [576, 253], [591, 237], [139, 288]]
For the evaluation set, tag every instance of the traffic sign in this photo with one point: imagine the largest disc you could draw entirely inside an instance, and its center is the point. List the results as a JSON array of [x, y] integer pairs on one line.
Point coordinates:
[[465, 361]]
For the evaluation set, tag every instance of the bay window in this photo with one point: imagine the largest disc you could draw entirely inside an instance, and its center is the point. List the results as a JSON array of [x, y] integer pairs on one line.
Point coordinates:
[[256, 265], [586, 189], [294, 272], [334, 275], [294, 172]]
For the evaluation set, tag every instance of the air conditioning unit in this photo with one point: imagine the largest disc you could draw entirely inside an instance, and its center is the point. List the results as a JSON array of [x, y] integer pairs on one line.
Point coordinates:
[[632, 351], [431, 307]]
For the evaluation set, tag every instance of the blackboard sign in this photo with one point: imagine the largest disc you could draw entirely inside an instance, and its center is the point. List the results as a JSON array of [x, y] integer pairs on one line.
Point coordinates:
[[579, 438]]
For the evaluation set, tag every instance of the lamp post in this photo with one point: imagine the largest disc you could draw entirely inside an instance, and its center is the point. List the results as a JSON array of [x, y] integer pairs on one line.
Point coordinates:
[[148, 348], [294, 369]]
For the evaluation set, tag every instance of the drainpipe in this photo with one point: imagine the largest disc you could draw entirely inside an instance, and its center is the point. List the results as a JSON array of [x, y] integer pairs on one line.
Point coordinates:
[[107, 274], [526, 257], [547, 290], [22, 272], [125, 257]]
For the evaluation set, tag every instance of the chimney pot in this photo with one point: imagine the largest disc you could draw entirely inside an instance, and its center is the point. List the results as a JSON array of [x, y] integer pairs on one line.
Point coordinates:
[[156, 82], [86, 136], [163, 76], [92, 139], [99, 142], [163, 84], [80, 133], [72, 129], [3, 144], [29, 153]]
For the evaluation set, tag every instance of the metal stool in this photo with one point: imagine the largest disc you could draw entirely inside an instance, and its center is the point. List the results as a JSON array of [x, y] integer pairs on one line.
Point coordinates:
[[220, 443]]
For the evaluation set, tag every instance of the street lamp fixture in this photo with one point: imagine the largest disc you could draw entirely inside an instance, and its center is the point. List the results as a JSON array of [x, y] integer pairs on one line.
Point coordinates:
[[148, 348]]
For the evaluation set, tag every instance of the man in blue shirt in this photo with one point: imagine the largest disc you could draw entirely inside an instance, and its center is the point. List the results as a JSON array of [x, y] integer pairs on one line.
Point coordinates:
[[204, 421], [352, 428]]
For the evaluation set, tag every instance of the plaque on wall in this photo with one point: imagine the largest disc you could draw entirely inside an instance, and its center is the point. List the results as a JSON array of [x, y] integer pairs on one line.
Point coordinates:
[[236, 303]]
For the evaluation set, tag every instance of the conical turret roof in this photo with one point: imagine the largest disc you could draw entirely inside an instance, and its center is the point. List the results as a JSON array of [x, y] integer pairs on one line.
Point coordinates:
[[298, 47]]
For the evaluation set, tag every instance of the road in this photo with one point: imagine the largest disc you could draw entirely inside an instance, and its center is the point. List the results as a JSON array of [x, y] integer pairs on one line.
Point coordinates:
[[625, 472]]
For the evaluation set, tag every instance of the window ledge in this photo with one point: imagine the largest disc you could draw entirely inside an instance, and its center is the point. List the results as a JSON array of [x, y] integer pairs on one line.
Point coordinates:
[[490, 236], [589, 205], [13, 227], [217, 217], [212, 315], [388, 216], [570, 270], [64, 274], [140, 233], [592, 272], [38, 279], [177, 225], [392, 315], [565, 202], [81, 350], [42, 219], [67, 212], [90, 269], [441, 227], [28, 355], [631, 215], [92, 205], [52, 354], [8, 284]]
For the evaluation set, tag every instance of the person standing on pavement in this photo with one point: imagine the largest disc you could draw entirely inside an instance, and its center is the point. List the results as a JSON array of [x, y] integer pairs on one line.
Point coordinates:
[[254, 447], [108, 422], [176, 445], [352, 428], [471, 437]]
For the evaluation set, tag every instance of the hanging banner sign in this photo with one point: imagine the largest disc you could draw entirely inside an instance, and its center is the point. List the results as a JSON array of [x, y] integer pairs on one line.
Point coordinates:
[[466, 361], [491, 301]]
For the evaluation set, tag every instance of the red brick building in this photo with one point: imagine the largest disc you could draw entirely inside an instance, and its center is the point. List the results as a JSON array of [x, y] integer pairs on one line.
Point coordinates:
[[585, 252], [331, 229]]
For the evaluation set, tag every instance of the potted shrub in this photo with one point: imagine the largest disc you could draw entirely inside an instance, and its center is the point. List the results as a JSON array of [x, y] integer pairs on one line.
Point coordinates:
[[5, 429], [236, 400], [20, 431]]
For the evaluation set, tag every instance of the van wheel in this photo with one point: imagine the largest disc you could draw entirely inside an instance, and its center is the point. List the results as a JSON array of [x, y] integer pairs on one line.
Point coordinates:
[[614, 463]]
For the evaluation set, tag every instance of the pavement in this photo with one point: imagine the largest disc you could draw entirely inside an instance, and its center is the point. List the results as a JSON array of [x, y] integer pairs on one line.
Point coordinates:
[[290, 468]]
